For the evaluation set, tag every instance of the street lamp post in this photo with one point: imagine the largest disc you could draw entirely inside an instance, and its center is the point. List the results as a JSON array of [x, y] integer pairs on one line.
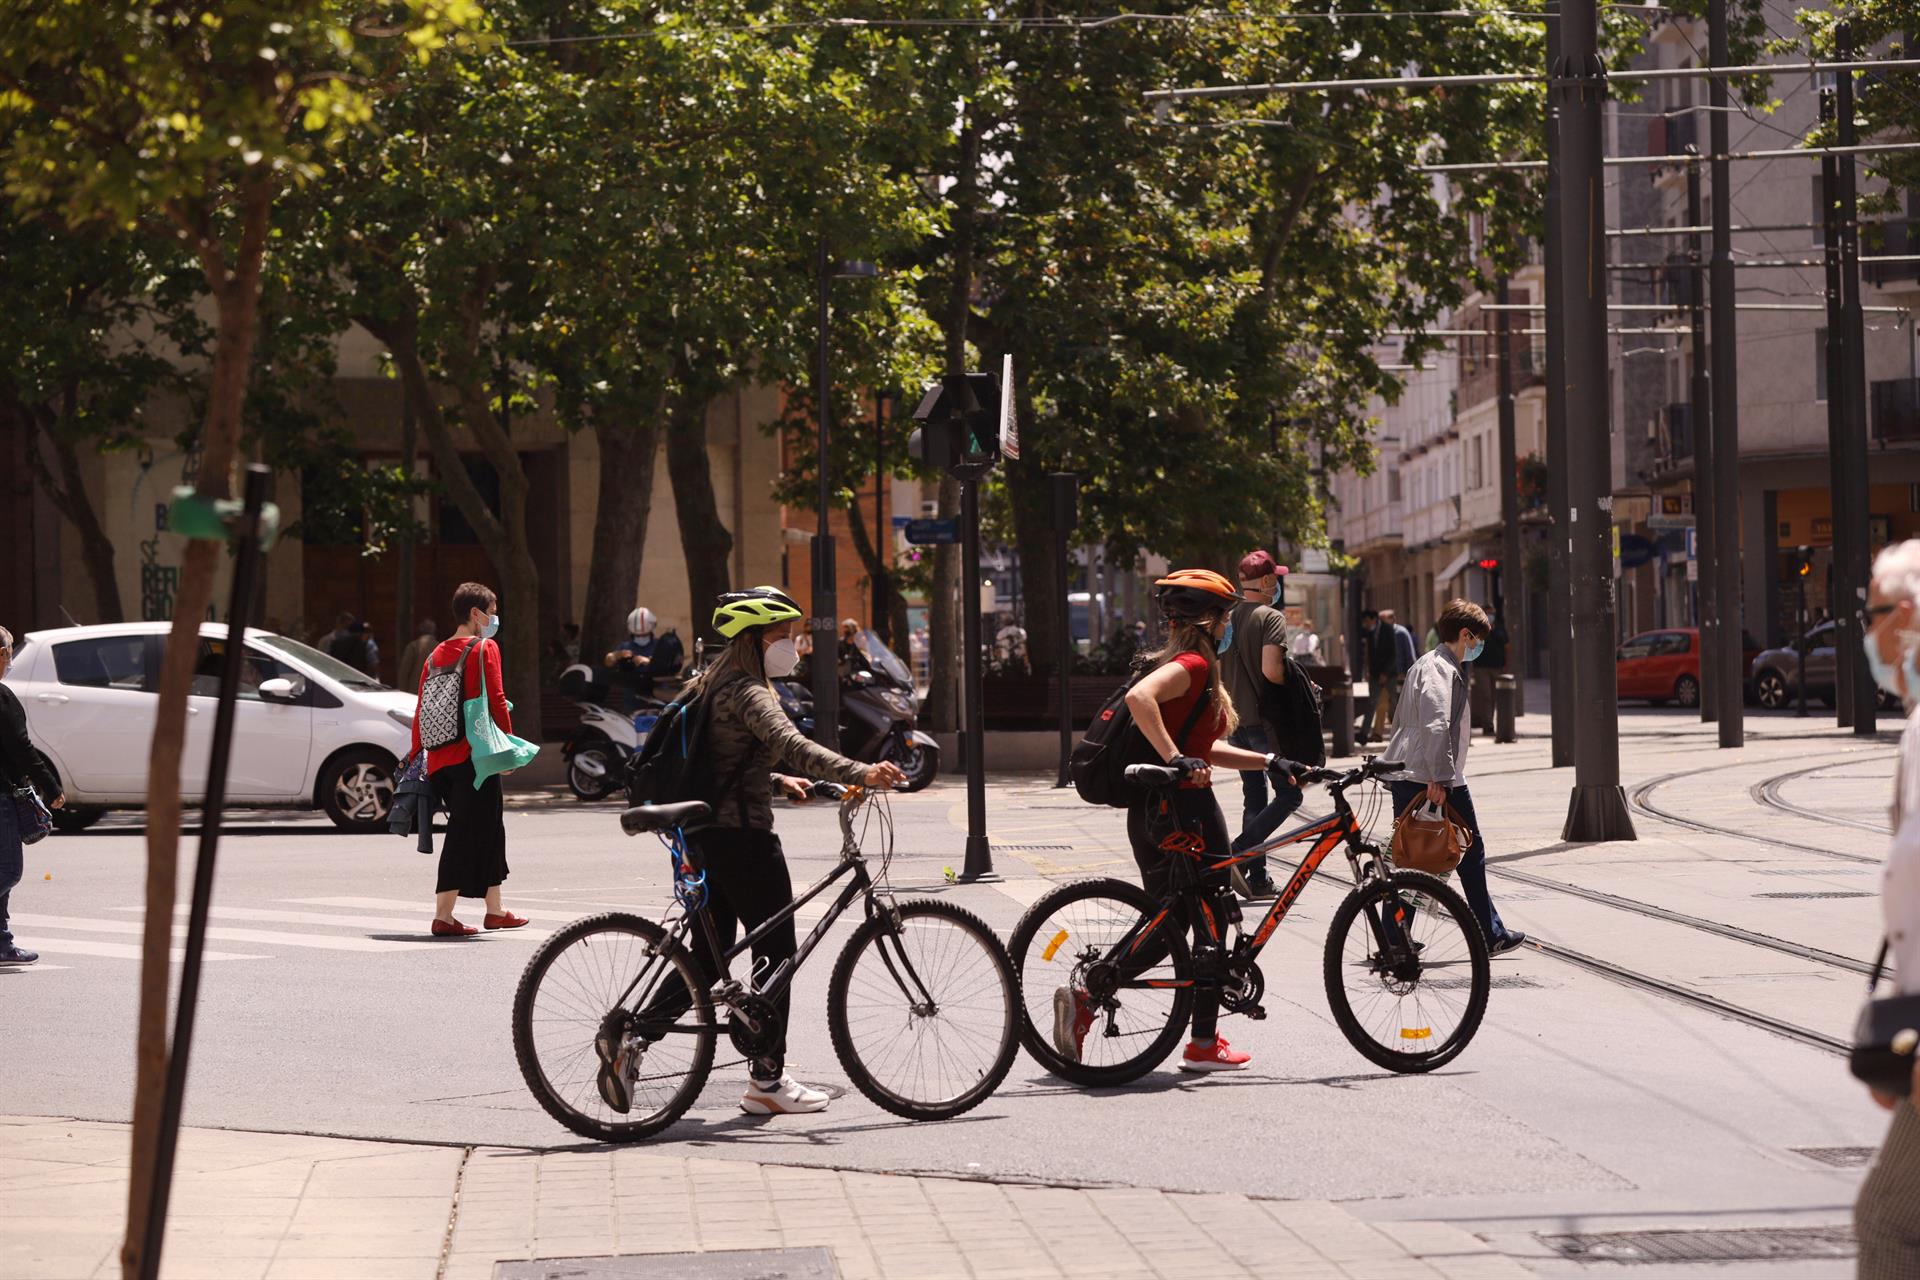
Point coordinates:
[[824, 665]]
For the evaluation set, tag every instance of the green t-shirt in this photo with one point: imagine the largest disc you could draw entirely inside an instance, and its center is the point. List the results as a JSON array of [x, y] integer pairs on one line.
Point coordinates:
[[1255, 626]]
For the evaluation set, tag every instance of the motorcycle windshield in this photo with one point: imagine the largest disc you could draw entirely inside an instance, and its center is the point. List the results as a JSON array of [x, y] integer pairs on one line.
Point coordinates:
[[883, 659]]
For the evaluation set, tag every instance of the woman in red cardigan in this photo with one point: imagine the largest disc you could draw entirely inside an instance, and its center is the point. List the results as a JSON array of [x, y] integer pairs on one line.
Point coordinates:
[[473, 857]]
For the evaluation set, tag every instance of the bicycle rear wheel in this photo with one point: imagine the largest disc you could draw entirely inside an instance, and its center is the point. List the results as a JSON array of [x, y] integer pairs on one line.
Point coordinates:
[[570, 994], [923, 1010], [1063, 950], [1407, 1010]]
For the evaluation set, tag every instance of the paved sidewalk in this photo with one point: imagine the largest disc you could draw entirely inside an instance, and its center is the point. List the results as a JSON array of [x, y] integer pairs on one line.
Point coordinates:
[[264, 1206]]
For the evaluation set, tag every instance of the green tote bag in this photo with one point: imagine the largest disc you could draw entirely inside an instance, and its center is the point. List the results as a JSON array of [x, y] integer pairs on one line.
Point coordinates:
[[494, 749]]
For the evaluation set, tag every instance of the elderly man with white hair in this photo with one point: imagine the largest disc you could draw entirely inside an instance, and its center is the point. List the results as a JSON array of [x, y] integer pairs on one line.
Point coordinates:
[[1887, 1215]]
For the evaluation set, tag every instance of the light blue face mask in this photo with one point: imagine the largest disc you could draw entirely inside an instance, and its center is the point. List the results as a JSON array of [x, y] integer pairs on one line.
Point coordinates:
[[1226, 638], [1474, 651], [492, 628], [1279, 593]]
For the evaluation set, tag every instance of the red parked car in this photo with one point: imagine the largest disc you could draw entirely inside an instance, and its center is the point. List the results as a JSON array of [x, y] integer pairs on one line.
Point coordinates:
[[1664, 666]]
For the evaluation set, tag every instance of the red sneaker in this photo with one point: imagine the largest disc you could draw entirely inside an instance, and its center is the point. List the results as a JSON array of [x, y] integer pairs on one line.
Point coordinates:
[[452, 929], [1213, 1055], [505, 920]]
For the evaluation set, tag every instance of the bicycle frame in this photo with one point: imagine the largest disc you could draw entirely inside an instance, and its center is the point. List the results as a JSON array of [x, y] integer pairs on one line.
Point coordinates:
[[1182, 848]]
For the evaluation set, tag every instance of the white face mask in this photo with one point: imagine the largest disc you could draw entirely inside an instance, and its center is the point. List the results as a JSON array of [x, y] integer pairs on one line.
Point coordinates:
[[782, 658]]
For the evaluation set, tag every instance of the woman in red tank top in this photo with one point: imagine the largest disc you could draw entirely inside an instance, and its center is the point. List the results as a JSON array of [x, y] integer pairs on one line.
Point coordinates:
[[1185, 714]]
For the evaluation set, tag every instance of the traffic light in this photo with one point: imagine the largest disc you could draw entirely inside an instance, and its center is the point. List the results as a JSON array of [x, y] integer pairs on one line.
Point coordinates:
[[959, 425], [1800, 561], [1491, 564]]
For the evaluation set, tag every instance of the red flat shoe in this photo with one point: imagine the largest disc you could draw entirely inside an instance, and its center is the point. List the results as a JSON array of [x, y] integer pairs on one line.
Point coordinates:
[[505, 920], [452, 929]]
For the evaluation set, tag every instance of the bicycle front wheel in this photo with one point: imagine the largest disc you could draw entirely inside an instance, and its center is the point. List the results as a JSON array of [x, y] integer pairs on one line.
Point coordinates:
[[1089, 1015], [923, 1010], [1406, 970], [619, 983]]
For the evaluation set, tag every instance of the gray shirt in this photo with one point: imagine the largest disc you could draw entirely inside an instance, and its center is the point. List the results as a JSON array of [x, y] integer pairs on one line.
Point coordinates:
[[1430, 727]]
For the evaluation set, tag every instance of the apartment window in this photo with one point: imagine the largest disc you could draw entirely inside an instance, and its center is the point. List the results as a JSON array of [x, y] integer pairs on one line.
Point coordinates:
[[1820, 364], [1475, 464], [1393, 486]]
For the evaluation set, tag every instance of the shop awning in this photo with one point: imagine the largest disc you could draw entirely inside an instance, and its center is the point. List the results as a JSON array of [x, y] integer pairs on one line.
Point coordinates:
[[1455, 566]]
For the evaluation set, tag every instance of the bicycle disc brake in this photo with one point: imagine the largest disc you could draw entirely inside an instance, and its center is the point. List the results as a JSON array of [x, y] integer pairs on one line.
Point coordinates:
[[1241, 991], [753, 1024]]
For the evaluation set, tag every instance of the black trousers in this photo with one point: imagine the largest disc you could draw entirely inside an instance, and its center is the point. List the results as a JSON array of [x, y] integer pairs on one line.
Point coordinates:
[[747, 882], [1194, 810], [473, 857]]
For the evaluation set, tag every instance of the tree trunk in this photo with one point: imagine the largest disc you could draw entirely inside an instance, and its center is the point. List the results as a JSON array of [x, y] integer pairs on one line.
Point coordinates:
[[1030, 493], [629, 452], [236, 290], [502, 534], [67, 490], [704, 540], [892, 618]]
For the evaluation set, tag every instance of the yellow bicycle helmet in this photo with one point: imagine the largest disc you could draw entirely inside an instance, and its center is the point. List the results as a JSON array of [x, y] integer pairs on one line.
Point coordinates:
[[755, 607]]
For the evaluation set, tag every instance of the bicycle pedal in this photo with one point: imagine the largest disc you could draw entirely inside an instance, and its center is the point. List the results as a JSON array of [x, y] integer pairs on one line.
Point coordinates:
[[1258, 1013]]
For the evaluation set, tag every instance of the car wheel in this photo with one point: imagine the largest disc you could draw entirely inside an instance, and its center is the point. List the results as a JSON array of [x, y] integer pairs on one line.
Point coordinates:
[[918, 761], [356, 789], [1686, 691], [1770, 687], [76, 817], [591, 772]]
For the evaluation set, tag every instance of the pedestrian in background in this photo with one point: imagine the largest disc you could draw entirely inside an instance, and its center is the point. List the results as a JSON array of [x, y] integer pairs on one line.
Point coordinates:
[[413, 658], [644, 658], [473, 856], [1491, 662], [1886, 1217], [1430, 740], [1306, 644], [1256, 640], [20, 764]]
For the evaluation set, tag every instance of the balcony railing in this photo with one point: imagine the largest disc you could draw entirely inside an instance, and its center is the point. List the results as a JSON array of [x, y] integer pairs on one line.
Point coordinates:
[[1896, 409]]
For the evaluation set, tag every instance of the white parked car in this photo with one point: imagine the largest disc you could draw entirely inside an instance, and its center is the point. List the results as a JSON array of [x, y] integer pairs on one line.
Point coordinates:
[[308, 730]]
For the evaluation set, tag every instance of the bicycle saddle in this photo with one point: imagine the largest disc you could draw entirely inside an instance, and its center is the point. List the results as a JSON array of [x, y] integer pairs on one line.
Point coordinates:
[[662, 817]]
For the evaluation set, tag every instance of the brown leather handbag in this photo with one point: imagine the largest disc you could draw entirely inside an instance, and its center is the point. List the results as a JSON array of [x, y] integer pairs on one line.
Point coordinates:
[[1425, 839]]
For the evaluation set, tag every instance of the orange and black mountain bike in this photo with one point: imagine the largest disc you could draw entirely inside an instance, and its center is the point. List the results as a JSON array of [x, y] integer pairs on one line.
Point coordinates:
[[1406, 964]]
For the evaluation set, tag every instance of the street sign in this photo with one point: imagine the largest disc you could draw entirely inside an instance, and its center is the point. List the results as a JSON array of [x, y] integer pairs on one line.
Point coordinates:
[[1009, 425], [923, 533], [1659, 520], [1693, 544]]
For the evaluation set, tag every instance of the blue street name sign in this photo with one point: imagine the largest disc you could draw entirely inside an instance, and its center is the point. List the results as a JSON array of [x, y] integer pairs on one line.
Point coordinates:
[[929, 532]]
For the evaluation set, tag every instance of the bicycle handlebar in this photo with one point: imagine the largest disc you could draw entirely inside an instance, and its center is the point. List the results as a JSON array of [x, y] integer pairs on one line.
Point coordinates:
[[1162, 775]]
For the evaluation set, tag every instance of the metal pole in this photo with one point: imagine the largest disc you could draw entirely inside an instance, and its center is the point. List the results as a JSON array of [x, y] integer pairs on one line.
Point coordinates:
[[1726, 411], [1800, 617], [1851, 487], [979, 863], [240, 602], [1837, 389], [1513, 578], [1701, 393], [823, 666], [1560, 674], [403, 595], [882, 545], [1597, 808], [1066, 488]]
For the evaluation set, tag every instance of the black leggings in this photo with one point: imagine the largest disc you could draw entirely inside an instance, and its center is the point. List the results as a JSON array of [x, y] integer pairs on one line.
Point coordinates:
[[1151, 820], [747, 881]]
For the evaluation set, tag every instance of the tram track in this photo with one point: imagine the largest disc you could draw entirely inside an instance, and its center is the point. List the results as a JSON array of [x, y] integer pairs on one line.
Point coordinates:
[[1639, 799], [1767, 792]]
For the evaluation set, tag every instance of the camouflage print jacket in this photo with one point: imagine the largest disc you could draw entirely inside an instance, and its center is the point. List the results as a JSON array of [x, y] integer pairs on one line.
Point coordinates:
[[749, 737]]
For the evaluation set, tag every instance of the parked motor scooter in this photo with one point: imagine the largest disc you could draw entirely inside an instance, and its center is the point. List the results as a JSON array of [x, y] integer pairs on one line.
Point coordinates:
[[598, 751], [877, 712]]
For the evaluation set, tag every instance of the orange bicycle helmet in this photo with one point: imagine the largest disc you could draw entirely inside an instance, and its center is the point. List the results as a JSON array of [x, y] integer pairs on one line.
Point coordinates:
[[1191, 595]]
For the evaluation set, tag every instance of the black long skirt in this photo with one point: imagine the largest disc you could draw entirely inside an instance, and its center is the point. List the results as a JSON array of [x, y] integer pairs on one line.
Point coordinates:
[[473, 857]]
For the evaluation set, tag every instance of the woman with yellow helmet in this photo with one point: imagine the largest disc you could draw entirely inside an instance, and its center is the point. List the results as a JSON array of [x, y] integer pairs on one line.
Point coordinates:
[[1181, 694], [749, 734]]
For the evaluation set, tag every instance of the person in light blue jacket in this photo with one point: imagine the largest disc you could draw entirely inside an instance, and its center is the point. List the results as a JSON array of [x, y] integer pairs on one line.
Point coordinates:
[[1431, 731]]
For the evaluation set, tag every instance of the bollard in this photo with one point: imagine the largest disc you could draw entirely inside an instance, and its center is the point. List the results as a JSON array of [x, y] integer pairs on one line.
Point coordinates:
[[1506, 694], [1340, 704]]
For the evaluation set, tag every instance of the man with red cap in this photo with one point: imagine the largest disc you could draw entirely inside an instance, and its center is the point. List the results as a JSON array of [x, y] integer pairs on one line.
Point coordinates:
[[1256, 654]]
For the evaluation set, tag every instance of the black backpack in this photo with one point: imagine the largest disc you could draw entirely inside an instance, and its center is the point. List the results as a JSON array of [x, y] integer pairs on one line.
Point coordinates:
[[1112, 742], [672, 765], [1293, 711]]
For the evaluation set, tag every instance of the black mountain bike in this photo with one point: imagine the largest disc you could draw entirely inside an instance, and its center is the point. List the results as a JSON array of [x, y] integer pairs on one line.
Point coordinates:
[[1406, 964], [922, 1004]]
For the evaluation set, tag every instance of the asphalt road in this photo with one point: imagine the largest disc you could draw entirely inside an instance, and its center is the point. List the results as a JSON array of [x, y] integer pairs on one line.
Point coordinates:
[[326, 1009]]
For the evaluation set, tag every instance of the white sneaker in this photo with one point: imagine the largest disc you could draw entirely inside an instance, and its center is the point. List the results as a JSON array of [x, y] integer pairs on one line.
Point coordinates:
[[783, 1097]]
